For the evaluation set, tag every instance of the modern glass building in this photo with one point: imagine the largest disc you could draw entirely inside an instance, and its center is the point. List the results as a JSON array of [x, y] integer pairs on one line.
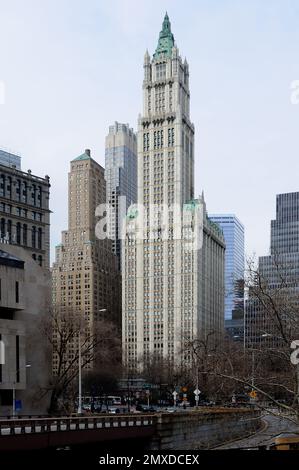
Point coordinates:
[[9, 159], [279, 272], [121, 179], [233, 231]]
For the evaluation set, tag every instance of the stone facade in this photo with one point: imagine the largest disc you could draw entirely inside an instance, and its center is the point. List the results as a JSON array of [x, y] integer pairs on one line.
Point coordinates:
[[85, 277], [24, 211], [203, 430], [173, 270], [24, 306]]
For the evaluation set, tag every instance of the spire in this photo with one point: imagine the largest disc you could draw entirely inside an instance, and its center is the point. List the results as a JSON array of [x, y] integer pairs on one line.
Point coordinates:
[[147, 57], [166, 39]]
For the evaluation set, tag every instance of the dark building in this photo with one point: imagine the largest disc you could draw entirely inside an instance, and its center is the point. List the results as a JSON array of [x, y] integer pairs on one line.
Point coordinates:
[[279, 274]]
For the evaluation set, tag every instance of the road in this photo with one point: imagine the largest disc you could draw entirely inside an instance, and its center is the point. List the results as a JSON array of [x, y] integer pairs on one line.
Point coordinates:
[[274, 425]]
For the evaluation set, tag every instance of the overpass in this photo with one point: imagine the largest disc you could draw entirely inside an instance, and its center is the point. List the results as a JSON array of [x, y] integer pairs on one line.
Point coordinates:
[[196, 429]]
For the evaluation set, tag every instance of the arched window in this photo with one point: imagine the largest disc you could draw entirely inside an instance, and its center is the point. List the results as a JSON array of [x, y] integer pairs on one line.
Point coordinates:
[[40, 260], [18, 233], [34, 256], [33, 236], [39, 239], [25, 234]]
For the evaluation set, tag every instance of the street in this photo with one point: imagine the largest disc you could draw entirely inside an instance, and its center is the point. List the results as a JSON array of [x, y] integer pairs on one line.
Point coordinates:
[[274, 425]]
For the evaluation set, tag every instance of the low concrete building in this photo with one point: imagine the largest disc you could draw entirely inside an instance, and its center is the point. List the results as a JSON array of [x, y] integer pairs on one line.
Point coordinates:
[[25, 358]]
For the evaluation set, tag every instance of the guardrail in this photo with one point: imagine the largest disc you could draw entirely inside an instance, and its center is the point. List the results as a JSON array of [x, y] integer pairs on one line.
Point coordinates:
[[40, 425]]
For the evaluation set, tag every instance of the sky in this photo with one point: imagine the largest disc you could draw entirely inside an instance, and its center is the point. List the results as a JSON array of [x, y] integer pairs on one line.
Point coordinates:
[[70, 68]]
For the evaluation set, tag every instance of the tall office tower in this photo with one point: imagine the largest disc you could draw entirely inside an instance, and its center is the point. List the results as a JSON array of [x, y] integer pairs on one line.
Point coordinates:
[[85, 277], [24, 209], [121, 179], [279, 272], [164, 305], [233, 231]]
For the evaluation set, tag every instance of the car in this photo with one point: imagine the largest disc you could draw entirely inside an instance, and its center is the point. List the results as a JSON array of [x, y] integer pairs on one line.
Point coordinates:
[[146, 408], [86, 407], [170, 409], [114, 410], [184, 404]]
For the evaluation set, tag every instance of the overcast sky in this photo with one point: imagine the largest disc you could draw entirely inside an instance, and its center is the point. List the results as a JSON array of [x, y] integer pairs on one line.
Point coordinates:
[[73, 67]]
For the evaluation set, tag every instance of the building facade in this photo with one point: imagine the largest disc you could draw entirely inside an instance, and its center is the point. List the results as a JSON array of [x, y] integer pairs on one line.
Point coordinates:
[[279, 274], [233, 231], [121, 179], [165, 304], [24, 209], [85, 277], [25, 368]]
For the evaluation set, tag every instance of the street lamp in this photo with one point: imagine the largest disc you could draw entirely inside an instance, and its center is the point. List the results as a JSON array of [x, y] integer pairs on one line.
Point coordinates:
[[14, 391]]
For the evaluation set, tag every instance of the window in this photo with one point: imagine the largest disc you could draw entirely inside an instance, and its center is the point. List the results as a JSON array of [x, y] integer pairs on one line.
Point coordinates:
[[160, 71], [17, 292], [2, 228], [25, 234], [33, 233], [39, 239], [18, 233]]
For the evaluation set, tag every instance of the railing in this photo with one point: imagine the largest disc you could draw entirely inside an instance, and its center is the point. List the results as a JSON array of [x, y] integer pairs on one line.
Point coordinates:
[[40, 425]]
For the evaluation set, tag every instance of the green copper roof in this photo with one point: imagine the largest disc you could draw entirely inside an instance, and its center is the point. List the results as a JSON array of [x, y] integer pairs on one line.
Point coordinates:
[[132, 212], [191, 205], [84, 156], [166, 39]]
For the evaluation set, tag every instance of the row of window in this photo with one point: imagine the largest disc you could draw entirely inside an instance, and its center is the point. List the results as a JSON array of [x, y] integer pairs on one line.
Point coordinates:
[[20, 237], [24, 192]]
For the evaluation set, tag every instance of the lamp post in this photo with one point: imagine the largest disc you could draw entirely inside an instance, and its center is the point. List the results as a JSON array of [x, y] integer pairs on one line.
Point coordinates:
[[14, 391]]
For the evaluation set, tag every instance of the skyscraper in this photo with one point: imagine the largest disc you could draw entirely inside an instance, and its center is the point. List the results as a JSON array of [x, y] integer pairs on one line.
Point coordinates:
[[24, 209], [121, 179], [85, 278], [279, 273], [233, 231], [166, 296]]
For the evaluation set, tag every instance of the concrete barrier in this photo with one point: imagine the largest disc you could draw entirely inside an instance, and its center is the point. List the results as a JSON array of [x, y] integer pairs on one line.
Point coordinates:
[[203, 429]]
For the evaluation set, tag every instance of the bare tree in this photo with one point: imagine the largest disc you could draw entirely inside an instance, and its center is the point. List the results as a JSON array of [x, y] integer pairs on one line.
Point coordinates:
[[272, 323], [100, 345]]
